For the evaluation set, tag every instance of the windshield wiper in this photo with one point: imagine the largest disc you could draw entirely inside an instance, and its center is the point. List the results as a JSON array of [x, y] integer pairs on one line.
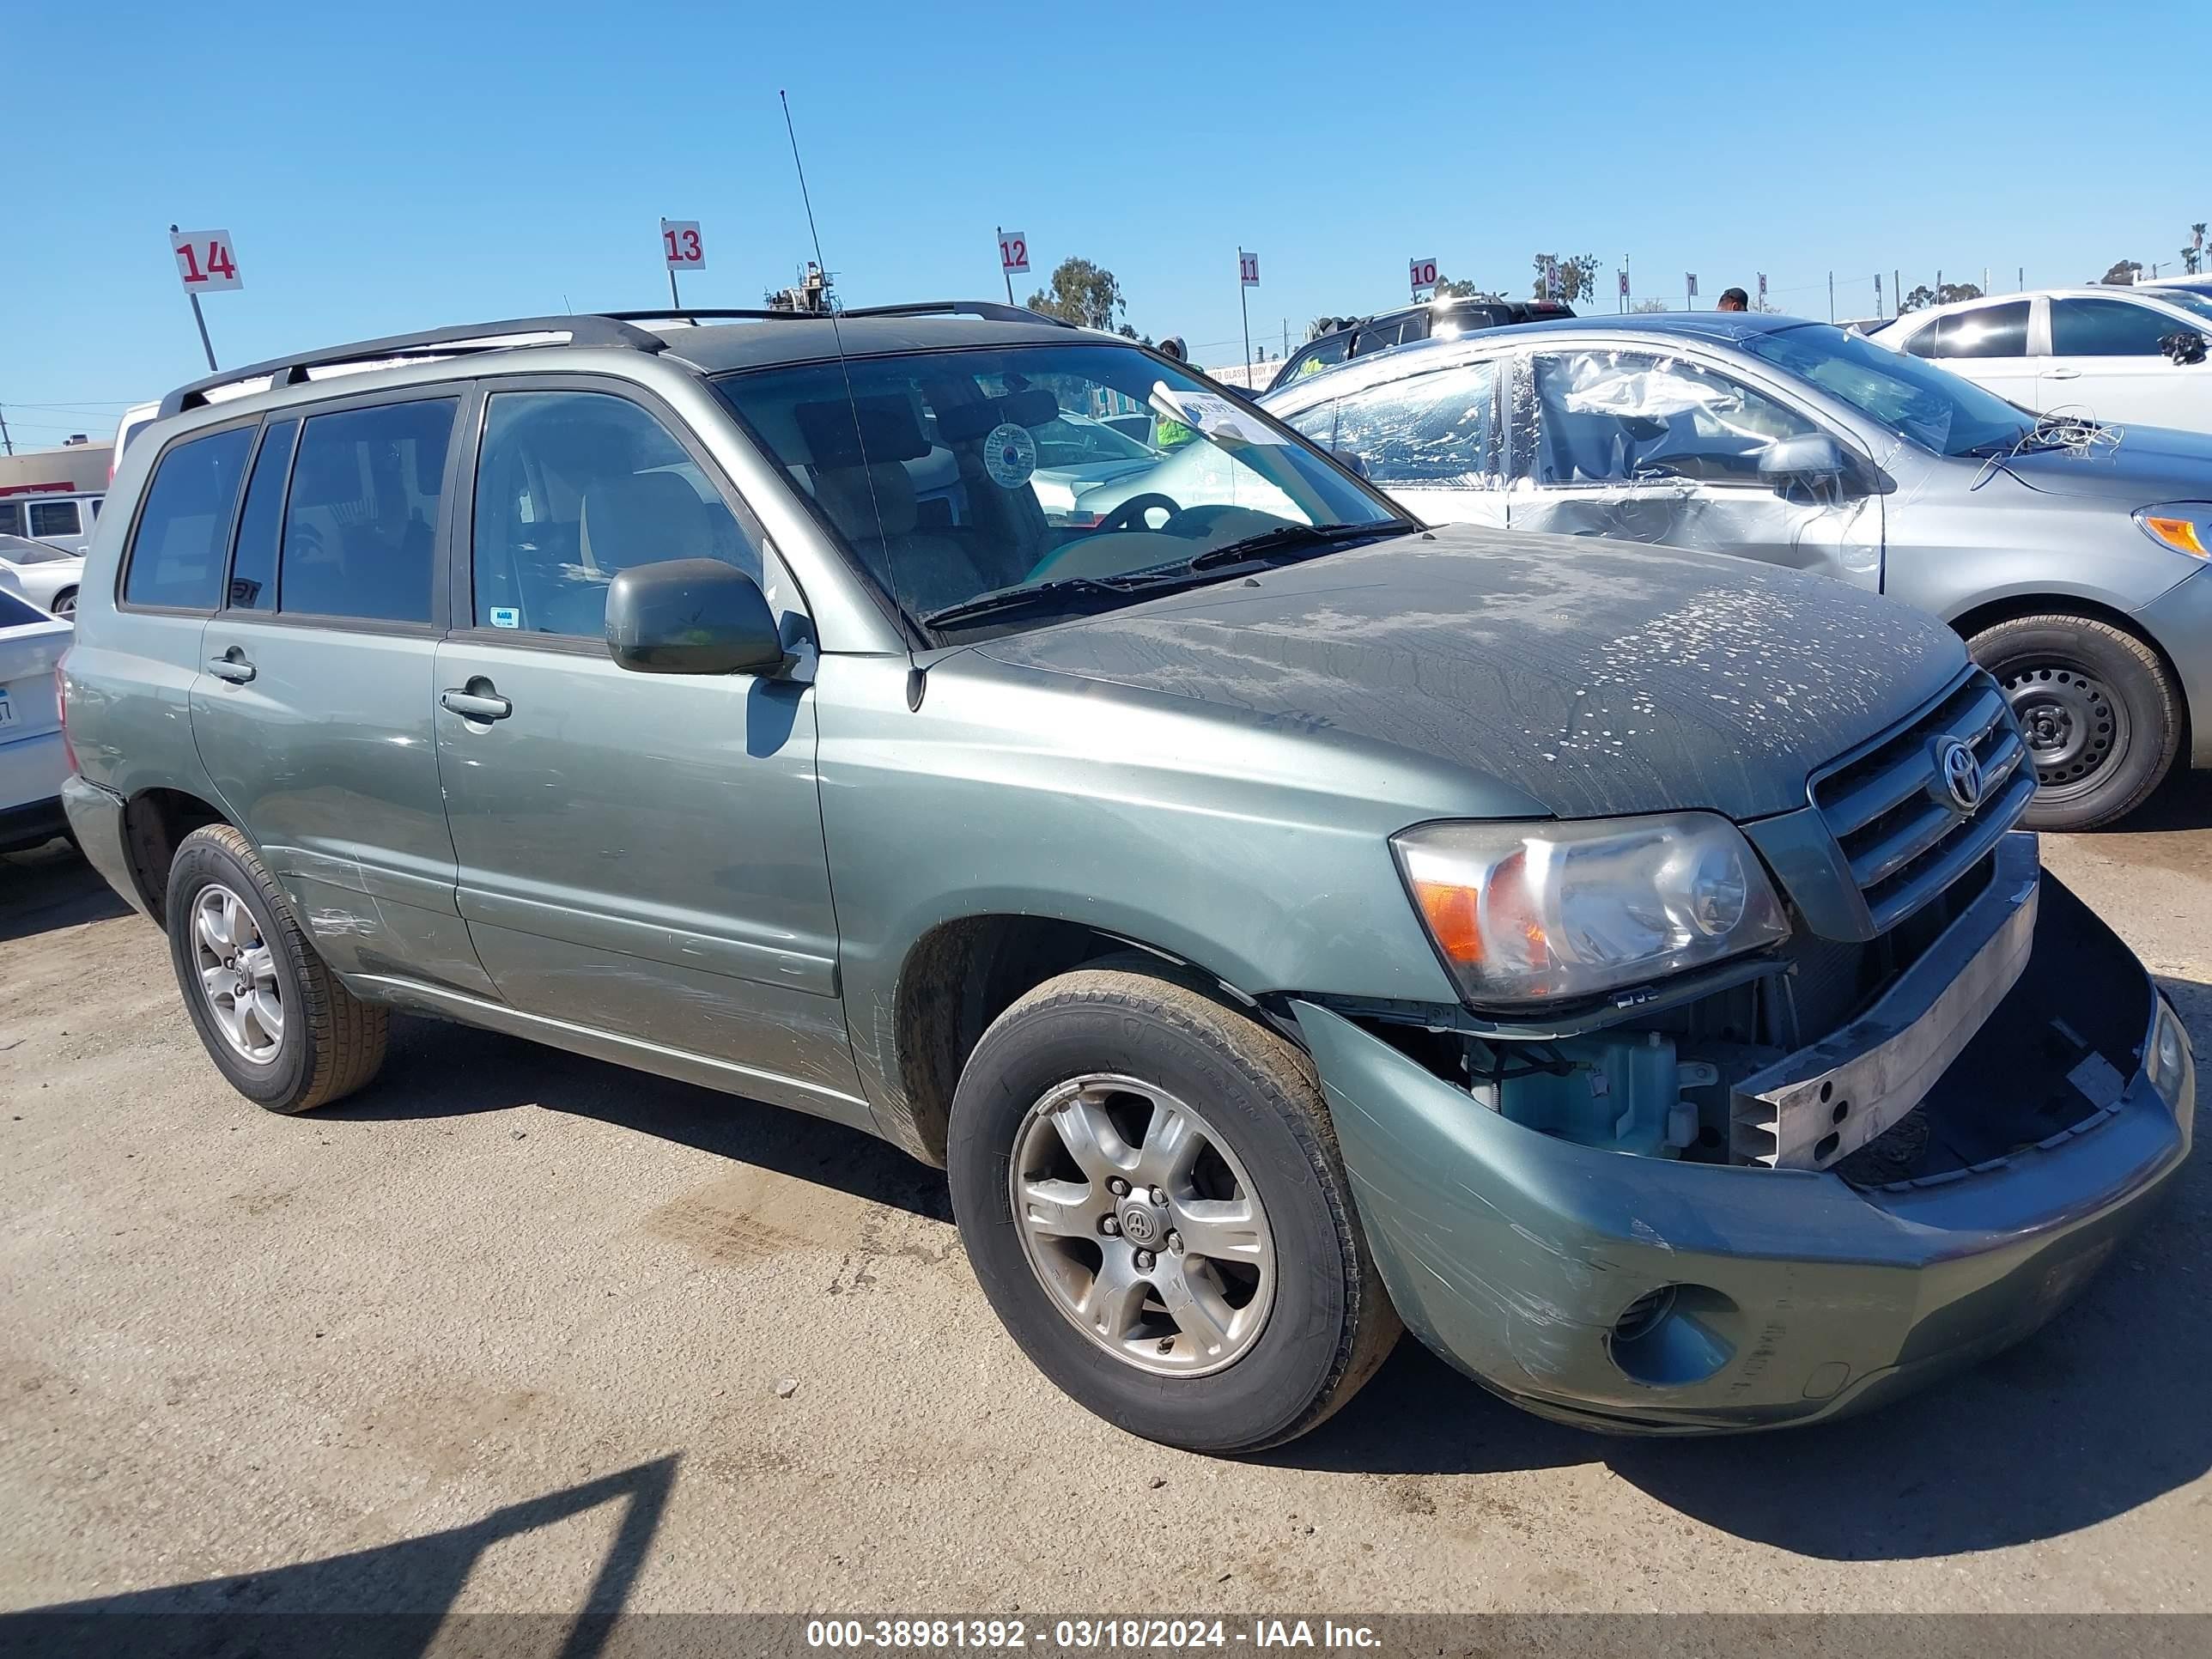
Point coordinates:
[[1044, 596], [1290, 536]]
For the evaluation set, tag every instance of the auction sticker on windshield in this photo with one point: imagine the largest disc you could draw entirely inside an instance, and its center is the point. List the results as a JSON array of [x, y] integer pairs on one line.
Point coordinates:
[[1009, 455], [1214, 416]]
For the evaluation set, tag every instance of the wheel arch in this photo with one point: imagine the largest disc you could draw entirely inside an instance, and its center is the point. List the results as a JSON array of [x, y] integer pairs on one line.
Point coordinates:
[[963, 973], [154, 820]]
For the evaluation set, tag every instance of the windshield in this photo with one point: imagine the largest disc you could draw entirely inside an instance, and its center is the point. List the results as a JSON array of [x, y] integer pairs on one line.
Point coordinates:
[[2200, 304], [1915, 399], [953, 477]]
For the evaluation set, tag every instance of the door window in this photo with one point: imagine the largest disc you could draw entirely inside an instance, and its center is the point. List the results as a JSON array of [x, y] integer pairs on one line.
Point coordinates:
[[1326, 352], [253, 565], [55, 518], [2107, 328], [1615, 417], [176, 552], [1379, 337], [574, 487], [361, 521], [1431, 432], [11, 518], [1986, 332]]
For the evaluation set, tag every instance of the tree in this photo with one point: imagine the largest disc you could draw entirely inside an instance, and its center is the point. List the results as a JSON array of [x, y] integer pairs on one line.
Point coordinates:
[[1463, 289], [1642, 306], [1081, 292], [2192, 256], [1924, 296], [2123, 271], [1574, 278]]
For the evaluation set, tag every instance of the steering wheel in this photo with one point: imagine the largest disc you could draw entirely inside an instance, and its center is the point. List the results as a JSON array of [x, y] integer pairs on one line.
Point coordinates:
[[1130, 515]]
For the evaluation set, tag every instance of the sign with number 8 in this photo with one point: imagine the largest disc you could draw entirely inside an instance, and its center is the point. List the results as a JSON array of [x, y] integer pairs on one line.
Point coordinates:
[[206, 261], [680, 243]]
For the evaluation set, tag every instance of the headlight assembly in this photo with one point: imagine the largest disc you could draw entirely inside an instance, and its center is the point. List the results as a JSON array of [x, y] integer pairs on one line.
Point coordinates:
[[1540, 912]]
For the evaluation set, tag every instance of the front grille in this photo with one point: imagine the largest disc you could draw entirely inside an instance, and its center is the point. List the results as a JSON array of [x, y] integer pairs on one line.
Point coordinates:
[[1890, 810]]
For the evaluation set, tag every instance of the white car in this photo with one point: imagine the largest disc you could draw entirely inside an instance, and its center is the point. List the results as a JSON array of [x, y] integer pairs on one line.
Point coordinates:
[[2103, 352], [45, 574], [33, 754]]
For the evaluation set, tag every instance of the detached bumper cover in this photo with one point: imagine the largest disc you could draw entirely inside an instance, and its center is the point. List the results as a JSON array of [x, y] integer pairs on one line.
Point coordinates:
[[95, 818], [1765, 1297]]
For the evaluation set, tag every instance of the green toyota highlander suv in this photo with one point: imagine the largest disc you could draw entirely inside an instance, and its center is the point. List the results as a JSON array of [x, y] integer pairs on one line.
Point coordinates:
[[1282, 920]]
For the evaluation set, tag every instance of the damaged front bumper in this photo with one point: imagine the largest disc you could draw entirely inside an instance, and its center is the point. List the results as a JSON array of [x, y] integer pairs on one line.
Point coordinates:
[[1644, 1295]]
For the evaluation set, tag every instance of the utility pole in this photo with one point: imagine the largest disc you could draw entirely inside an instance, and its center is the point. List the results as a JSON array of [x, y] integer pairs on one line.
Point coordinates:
[[2021, 279], [1896, 293], [1832, 296], [6, 442]]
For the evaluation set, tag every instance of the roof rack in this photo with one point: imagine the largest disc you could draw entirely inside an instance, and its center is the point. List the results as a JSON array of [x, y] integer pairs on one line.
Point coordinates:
[[600, 328], [596, 329]]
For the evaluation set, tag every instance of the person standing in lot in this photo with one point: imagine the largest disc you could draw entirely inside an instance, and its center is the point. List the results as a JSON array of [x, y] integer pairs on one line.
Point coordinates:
[[1172, 434], [1733, 299]]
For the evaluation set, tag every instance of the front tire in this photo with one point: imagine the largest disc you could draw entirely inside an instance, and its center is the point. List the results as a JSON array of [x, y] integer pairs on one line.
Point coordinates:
[[2101, 713], [1223, 1299], [271, 1015]]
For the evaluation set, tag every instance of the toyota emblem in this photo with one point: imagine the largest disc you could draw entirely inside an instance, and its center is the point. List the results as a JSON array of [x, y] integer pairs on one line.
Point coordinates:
[[1961, 774]]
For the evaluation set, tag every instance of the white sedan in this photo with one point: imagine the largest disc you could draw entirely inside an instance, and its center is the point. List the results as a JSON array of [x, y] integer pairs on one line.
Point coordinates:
[[33, 754], [45, 574], [2135, 357]]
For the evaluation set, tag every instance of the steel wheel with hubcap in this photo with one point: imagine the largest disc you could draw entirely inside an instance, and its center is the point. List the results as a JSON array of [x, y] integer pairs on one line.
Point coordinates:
[[1142, 1225], [237, 973]]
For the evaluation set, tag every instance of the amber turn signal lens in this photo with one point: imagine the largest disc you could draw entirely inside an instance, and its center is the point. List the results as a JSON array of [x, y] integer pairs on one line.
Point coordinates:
[[1450, 912], [2178, 533]]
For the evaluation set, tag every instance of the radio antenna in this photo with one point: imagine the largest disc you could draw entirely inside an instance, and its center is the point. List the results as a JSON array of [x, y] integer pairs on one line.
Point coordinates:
[[914, 678]]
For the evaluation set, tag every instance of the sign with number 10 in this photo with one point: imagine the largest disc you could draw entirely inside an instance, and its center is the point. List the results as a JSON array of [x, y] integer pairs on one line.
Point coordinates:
[[206, 261], [680, 243], [1423, 273]]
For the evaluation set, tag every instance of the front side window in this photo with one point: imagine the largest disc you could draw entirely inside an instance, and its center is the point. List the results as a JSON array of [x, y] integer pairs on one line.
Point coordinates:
[[360, 520], [176, 553], [1986, 332], [1325, 353], [1434, 431], [55, 518], [1612, 418], [574, 488], [2108, 328], [932, 473]]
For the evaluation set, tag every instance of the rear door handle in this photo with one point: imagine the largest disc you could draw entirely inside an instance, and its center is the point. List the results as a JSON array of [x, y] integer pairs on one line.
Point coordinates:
[[476, 701], [232, 667], [2065, 373]]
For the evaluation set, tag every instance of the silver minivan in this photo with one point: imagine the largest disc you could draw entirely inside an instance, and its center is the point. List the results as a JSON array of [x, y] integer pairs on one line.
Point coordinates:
[[2072, 557]]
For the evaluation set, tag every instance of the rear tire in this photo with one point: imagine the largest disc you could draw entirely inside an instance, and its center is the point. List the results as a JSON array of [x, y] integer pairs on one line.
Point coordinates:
[[1277, 1329], [2102, 715], [272, 1017], [64, 603]]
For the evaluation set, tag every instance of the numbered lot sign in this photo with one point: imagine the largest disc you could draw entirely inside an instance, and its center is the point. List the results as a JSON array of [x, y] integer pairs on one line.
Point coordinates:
[[1247, 269], [1423, 273], [206, 261], [680, 245], [1013, 252]]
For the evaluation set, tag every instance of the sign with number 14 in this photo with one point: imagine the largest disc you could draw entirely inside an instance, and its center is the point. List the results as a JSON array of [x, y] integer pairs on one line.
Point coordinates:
[[205, 261]]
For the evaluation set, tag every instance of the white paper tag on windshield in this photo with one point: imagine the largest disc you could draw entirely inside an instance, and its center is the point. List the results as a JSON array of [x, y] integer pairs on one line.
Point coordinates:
[[1215, 416], [1009, 455]]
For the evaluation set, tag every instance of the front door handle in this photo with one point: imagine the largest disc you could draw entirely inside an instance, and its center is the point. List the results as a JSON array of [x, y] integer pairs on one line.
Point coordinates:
[[232, 665], [477, 700], [2065, 373]]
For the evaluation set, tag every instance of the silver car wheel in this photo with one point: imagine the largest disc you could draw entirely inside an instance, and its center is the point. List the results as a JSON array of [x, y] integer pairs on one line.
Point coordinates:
[[1142, 1225], [237, 973]]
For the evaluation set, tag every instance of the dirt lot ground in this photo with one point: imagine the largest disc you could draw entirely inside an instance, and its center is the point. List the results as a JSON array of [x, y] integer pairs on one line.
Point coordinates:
[[506, 1331]]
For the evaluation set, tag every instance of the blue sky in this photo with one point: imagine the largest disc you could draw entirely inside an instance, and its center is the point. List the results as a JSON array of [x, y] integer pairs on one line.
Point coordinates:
[[392, 166]]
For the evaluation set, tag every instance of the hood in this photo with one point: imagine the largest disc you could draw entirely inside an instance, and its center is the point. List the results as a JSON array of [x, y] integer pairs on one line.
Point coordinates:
[[2148, 465], [1597, 677]]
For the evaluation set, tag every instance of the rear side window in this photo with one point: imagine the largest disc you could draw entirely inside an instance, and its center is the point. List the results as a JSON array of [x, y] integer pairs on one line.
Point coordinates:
[[254, 566], [55, 518], [176, 553], [361, 521], [572, 487], [1990, 332], [2107, 328], [1431, 432]]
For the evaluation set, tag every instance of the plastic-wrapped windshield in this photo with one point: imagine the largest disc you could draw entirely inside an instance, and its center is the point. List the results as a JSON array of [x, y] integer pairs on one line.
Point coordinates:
[[957, 475], [1931, 406]]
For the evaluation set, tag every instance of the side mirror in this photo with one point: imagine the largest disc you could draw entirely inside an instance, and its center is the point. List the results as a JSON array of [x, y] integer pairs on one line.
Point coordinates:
[[1350, 460], [1812, 461], [2185, 346], [692, 617]]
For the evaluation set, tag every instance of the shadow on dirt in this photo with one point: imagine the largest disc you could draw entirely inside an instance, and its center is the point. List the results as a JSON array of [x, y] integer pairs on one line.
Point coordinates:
[[388, 1602], [49, 888]]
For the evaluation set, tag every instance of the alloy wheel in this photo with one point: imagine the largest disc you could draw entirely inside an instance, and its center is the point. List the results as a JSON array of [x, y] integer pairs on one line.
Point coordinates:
[[237, 973], [1142, 1225]]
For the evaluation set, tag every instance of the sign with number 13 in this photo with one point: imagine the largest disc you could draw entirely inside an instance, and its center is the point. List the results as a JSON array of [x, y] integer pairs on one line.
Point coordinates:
[[680, 243]]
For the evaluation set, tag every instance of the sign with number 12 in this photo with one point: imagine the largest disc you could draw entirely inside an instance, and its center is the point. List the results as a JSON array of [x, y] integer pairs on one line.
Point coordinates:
[[1013, 252], [205, 261], [679, 241]]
